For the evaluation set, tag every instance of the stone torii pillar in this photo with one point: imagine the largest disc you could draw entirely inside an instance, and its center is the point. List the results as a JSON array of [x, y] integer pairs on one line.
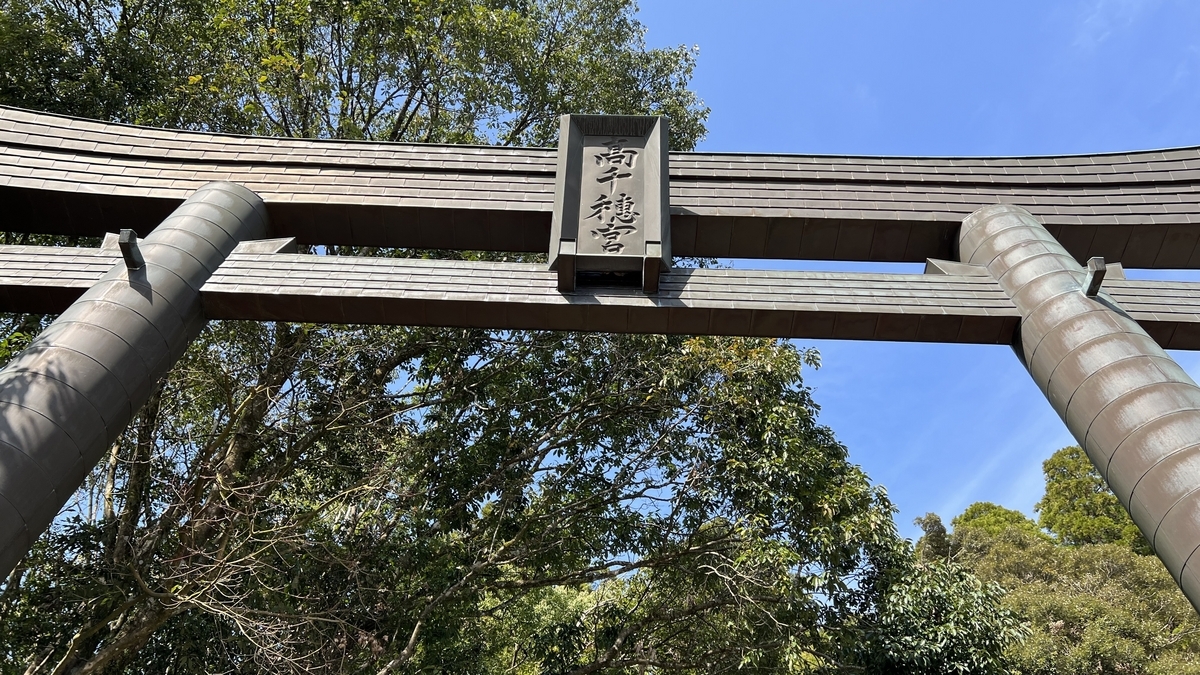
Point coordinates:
[[1131, 407], [67, 397]]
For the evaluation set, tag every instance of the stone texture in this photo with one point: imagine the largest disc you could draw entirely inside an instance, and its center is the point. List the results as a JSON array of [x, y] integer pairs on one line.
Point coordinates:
[[69, 395], [1133, 409], [59, 174]]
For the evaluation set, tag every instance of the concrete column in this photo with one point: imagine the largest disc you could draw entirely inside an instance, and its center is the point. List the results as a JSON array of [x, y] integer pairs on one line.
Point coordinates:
[[1130, 406], [68, 397]]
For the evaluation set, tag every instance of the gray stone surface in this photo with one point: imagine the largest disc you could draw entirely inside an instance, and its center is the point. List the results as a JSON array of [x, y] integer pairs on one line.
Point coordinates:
[[67, 397], [70, 175], [611, 200], [1133, 409]]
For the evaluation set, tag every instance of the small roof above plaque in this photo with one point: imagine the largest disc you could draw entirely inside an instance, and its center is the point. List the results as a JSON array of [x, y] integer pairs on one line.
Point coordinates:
[[611, 201]]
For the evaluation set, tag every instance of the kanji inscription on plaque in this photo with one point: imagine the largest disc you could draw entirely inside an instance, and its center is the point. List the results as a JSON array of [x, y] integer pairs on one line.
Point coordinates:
[[611, 216], [613, 183]]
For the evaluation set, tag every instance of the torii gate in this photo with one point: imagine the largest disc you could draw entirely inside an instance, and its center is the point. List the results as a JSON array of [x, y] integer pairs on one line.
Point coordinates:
[[1002, 239]]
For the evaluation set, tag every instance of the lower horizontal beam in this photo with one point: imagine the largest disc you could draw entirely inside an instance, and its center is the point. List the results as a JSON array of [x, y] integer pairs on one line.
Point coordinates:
[[294, 287], [47, 279], [328, 289]]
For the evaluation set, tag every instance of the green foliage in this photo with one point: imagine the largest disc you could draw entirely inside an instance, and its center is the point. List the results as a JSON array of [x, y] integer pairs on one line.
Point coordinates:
[[1092, 602], [993, 519], [346, 499], [941, 619], [113, 61], [1091, 608], [935, 544], [442, 71], [381, 499], [1079, 508], [15, 342], [977, 526], [457, 71]]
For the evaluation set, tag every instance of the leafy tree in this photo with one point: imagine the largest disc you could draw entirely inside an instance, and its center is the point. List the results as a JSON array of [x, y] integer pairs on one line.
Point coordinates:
[[125, 62], [993, 519], [1092, 603], [1091, 608], [1079, 508], [330, 498], [935, 544], [976, 528], [440, 71], [305, 524], [941, 619]]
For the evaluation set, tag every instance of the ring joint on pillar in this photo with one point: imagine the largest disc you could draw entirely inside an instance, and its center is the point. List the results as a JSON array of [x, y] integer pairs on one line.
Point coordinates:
[[95, 366], [1090, 355]]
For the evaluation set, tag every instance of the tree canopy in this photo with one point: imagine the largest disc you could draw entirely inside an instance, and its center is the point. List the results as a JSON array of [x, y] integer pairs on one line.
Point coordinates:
[[314, 498], [992, 519], [1092, 597], [935, 543], [430, 71], [1078, 507]]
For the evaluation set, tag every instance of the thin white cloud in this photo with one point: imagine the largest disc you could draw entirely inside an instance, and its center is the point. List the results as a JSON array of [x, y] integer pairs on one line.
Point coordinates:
[[1036, 434], [1099, 19]]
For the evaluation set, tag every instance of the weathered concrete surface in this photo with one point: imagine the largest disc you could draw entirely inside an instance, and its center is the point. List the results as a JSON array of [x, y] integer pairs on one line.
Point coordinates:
[[1131, 407], [68, 396], [73, 176]]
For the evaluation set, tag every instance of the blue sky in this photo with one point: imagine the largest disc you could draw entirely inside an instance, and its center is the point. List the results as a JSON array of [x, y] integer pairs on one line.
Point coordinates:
[[941, 426]]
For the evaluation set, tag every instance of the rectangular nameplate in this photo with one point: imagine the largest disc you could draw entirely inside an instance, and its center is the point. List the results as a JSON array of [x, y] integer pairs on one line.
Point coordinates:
[[612, 197], [611, 200]]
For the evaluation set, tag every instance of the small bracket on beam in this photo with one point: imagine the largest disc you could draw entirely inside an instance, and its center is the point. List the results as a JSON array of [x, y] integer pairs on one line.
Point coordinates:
[[566, 265], [1095, 276], [283, 245], [129, 250]]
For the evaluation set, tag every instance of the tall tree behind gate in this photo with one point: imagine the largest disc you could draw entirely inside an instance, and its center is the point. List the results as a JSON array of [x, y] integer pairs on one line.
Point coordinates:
[[307, 498]]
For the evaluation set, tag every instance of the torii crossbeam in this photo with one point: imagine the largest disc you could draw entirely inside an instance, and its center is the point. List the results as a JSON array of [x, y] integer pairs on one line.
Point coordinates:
[[1002, 238]]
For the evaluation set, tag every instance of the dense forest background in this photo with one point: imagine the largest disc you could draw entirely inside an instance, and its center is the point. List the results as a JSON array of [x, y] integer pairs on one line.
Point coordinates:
[[308, 498]]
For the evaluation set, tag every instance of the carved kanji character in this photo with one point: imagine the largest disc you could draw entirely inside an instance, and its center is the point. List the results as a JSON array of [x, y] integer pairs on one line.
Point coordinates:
[[601, 206], [611, 174], [623, 207], [615, 154]]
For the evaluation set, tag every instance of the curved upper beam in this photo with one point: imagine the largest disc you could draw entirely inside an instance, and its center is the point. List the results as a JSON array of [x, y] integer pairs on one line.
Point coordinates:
[[66, 175]]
